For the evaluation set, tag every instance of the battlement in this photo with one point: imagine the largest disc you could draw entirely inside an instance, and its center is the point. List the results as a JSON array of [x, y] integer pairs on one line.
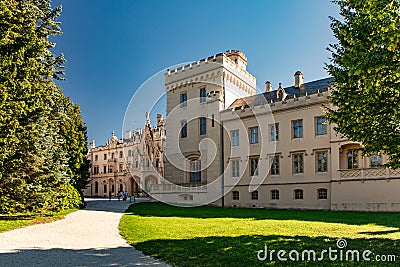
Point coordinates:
[[232, 58]]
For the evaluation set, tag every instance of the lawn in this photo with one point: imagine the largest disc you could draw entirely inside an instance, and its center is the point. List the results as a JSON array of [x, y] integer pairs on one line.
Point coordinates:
[[15, 221], [213, 236]]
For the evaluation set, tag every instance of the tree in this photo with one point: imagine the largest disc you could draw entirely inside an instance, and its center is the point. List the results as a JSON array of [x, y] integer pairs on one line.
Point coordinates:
[[35, 165], [365, 64]]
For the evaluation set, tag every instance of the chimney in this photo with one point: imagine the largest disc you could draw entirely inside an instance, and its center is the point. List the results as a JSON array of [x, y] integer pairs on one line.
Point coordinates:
[[268, 86], [298, 79]]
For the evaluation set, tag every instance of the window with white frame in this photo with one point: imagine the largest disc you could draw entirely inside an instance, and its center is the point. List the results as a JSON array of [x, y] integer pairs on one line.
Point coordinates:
[[298, 194], [322, 161], [195, 171], [298, 163], [375, 160], [254, 195], [183, 99], [254, 166], [322, 193], [297, 129], [253, 132], [274, 170], [352, 159], [203, 95], [274, 132], [235, 195], [235, 168], [274, 194], [320, 125], [235, 137]]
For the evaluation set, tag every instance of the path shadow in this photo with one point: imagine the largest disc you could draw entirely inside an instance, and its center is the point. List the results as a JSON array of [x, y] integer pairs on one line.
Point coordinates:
[[103, 204], [242, 251], [121, 256], [388, 219]]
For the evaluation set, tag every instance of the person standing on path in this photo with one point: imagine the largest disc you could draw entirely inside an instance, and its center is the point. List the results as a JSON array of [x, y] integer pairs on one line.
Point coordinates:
[[119, 195]]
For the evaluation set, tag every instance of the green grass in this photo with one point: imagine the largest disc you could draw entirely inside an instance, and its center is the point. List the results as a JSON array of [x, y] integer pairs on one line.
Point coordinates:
[[213, 236], [15, 221]]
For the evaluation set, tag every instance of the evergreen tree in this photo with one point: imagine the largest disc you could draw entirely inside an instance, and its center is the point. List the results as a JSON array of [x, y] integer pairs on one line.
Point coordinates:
[[35, 165], [366, 66]]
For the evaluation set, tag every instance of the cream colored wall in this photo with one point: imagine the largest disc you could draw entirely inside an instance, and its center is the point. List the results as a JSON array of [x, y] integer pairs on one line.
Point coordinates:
[[283, 113], [367, 195]]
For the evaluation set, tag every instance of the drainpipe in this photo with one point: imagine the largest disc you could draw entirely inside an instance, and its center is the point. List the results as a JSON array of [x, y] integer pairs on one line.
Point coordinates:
[[222, 146]]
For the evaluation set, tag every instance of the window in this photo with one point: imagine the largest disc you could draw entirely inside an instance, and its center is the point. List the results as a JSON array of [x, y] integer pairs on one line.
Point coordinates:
[[320, 125], [105, 189], [121, 167], [112, 188], [183, 100], [298, 194], [235, 137], [183, 129], [110, 169], [195, 171], [253, 135], [105, 156], [104, 169], [212, 120], [274, 165], [129, 153], [203, 95], [298, 163], [121, 187], [96, 170], [322, 193], [274, 132], [120, 154], [322, 161], [274, 194], [254, 195], [254, 166], [235, 195], [235, 168], [375, 160], [203, 125], [112, 155], [137, 164], [352, 159], [96, 157], [297, 127], [96, 187]]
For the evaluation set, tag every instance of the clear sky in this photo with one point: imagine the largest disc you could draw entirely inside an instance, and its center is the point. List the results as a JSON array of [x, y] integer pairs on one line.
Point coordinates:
[[113, 46]]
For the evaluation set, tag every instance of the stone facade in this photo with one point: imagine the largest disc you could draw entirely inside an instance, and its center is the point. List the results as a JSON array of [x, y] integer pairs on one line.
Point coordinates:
[[272, 150], [130, 164]]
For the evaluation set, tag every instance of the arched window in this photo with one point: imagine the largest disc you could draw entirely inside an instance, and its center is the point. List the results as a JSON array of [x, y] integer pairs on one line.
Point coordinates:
[[112, 189], [105, 189], [96, 187], [121, 187]]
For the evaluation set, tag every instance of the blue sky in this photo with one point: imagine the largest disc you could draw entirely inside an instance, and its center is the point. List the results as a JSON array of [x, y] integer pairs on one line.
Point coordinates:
[[113, 46]]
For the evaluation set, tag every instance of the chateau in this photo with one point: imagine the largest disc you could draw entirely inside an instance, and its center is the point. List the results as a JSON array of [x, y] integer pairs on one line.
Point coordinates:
[[130, 164], [226, 145]]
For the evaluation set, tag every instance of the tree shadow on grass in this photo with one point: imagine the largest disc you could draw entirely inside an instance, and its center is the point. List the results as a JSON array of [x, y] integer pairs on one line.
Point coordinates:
[[388, 219], [242, 250], [119, 256]]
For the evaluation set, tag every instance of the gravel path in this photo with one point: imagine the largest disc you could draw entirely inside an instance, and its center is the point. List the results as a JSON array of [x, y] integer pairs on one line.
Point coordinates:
[[88, 237]]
